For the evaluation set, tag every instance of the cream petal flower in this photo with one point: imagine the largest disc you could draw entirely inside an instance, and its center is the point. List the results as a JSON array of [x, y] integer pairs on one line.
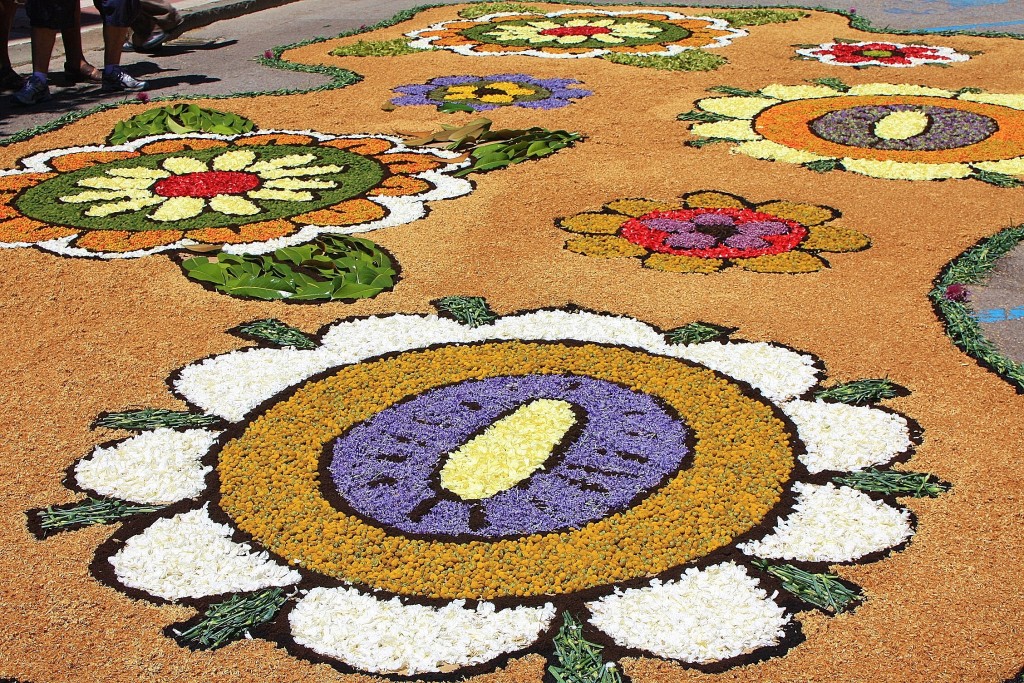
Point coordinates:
[[101, 183], [101, 195], [607, 38], [833, 524], [773, 151], [235, 160], [901, 89], [798, 92], [844, 437], [295, 172], [730, 130], [296, 184], [183, 165], [572, 40], [233, 205], [902, 170], [178, 208], [736, 107], [191, 556], [282, 195], [707, 615], [287, 161], [133, 204], [1008, 166], [386, 636], [1014, 101], [138, 172], [162, 466]]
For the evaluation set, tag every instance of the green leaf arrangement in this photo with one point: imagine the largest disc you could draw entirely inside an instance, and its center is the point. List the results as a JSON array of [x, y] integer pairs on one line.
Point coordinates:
[[88, 512], [697, 333], [577, 660], [862, 391], [153, 418], [331, 268], [489, 149], [179, 118], [471, 311], [273, 331], [825, 591], [230, 620]]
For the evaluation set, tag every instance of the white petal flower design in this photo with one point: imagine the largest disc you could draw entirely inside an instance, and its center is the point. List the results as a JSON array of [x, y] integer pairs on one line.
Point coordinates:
[[570, 418]]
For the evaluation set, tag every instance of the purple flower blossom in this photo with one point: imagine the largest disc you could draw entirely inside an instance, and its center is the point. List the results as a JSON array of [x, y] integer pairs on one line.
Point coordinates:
[[709, 230], [142, 97], [957, 292], [549, 93], [268, 54]]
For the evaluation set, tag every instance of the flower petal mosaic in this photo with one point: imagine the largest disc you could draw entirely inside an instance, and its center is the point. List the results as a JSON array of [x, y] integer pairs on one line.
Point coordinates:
[[252, 193], [882, 53], [484, 93], [882, 130], [576, 34], [706, 231], [435, 494]]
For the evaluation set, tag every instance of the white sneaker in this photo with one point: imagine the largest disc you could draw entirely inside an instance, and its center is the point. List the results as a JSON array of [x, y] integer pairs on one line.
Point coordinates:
[[118, 80]]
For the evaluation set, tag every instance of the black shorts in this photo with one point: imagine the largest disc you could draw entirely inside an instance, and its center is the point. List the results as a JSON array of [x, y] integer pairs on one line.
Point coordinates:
[[59, 15]]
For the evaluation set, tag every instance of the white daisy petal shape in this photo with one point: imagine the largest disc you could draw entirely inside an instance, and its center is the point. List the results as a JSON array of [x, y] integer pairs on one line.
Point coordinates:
[[282, 195], [179, 208], [707, 615], [183, 165], [295, 172], [281, 162], [233, 205], [113, 208], [903, 170], [798, 92], [846, 438], [191, 556], [833, 524], [138, 172], [778, 373], [235, 160], [736, 107], [1014, 101], [388, 637], [102, 183], [162, 466], [898, 89], [729, 130], [773, 151]]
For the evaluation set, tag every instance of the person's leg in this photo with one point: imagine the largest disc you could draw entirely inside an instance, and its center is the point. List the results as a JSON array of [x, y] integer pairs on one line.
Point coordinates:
[[46, 18], [117, 18], [7, 10], [158, 22], [75, 67]]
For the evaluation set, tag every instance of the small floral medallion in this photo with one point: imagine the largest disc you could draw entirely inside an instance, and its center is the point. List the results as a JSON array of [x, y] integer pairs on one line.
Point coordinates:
[[577, 33], [484, 93], [881, 54], [706, 231], [901, 132], [253, 193], [396, 467]]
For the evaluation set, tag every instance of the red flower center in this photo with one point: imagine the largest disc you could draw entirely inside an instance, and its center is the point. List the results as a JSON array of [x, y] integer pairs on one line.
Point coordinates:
[[575, 31], [207, 184]]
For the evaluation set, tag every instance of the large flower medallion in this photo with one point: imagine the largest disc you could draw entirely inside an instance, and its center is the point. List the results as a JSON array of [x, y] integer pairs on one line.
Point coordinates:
[[905, 132], [253, 193], [411, 463], [577, 33], [483, 93], [877, 53]]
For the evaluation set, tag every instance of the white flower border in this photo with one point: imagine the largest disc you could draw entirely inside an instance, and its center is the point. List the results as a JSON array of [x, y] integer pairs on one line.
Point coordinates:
[[400, 210], [466, 50], [949, 53]]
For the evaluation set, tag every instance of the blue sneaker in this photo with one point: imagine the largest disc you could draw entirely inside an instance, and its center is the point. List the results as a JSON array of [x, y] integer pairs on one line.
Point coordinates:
[[32, 92]]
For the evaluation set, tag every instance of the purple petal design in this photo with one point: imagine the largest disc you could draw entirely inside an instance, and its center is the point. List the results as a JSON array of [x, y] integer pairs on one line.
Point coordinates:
[[690, 240], [454, 80], [561, 92], [709, 219]]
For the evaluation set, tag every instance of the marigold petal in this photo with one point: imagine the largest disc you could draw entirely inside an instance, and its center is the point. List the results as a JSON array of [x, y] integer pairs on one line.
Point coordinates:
[[683, 264], [409, 163], [21, 181], [398, 185], [710, 199], [835, 239], [180, 145], [22, 229], [119, 241], [638, 207], [250, 232], [594, 223], [75, 161], [804, 214], [361, 145], [604, 246], [351, 212], [790, 262], [274, 139]]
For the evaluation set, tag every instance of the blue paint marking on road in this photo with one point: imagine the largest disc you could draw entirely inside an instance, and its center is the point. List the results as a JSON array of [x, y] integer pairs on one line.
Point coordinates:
[[976, 3], [973, 27], [999, 315]]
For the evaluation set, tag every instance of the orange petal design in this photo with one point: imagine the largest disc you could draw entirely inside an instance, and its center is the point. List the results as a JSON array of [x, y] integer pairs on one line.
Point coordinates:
[[398, 185], [6, 210], [75, 161], [250, 232], [453, 40], [125, 240], [361, 145], [165, 146], [27, 230], [352, 212], [20, 181], [409, 163], [274, 139]]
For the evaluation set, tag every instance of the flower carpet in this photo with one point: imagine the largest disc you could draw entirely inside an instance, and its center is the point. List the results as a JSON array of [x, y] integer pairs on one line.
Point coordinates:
[[663, 371]]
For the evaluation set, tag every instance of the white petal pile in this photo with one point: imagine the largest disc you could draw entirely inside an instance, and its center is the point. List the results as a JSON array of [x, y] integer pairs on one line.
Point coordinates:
[[232, 384], [191, 556], [161, 466], [389, 637], [844, 437], [706, 616], [833, 524]]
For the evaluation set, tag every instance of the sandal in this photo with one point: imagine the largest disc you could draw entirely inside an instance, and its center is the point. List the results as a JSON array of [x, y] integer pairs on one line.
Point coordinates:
[[11, 80], [87, 73]]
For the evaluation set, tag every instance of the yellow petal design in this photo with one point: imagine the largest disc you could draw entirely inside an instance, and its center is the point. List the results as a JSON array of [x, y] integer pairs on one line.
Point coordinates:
[[671, 263], [179, 208], [99, 182], [282, 162], [183, 165], [790, 262], [297, 184], [730, 130], [901, 125], [594, 223], [712, 200], [798, 92], [294, 172], [103, 195], [572, 40], [773, 151], [282, 195], [604, 246], [736, 107], [508, 451], [1012, 101], [233, 205], [902, 170], [638, 207], [833, 238], [112, 208], [138, 172], [898, 89], [235, 160], [1007, 166], [804, 214]]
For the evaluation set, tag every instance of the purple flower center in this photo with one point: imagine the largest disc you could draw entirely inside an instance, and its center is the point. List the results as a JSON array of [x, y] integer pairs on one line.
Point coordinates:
[[709, 230]]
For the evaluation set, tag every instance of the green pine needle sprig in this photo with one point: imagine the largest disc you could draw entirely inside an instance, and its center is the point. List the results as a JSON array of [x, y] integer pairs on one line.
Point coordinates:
[[697, 333], [278, 333], [915, 484], [824, 591], [153, 418], [471, 311], [89, 512], [230, 620], [861, 391], [577, 660]]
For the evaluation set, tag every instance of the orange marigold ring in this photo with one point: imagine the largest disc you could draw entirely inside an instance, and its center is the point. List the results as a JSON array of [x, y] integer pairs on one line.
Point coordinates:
[[271, 489]]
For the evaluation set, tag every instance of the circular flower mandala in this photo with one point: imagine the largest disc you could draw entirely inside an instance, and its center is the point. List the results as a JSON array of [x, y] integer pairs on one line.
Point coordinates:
[[577, 33], [881, 54], [904, 132], [707, 230], [409, 464], [483, 93], [253, 193]]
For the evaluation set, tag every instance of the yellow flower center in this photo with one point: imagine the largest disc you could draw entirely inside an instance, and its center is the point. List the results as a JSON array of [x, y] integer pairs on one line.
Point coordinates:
[[901, 125]]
